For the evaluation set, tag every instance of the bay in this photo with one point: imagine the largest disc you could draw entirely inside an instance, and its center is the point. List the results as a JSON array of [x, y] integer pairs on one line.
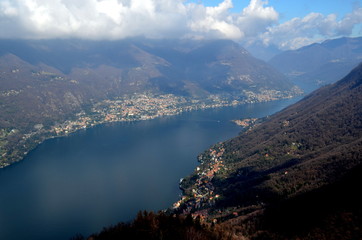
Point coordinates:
[[106, 174]]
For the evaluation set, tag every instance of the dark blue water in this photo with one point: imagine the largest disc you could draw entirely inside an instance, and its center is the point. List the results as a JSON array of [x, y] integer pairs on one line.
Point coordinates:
[[106, 174]]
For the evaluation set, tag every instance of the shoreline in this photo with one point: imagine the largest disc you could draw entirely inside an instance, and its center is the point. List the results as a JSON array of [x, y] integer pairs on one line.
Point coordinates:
[[137, 108]]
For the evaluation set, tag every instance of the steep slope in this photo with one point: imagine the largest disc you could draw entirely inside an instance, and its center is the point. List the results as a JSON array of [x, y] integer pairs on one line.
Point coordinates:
[[290, 165], [320, 63]]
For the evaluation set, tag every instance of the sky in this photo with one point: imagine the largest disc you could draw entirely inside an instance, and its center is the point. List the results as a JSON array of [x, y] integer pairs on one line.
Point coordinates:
[[285, 24]]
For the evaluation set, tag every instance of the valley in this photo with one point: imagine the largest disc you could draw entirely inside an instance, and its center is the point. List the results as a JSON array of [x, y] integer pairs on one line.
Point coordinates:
[[319, 64], [240, 183]]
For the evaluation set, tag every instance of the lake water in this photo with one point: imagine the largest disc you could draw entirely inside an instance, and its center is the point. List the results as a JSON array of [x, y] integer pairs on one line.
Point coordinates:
[[106, 174]]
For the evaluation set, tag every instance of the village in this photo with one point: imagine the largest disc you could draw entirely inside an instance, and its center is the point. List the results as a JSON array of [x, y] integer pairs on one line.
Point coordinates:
[[202, 194], [148, 106], [245, 123], [134, 107]]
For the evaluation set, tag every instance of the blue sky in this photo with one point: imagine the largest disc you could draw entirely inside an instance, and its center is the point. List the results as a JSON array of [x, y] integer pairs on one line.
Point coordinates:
[[286, 24], [288, 10], [294, 8]]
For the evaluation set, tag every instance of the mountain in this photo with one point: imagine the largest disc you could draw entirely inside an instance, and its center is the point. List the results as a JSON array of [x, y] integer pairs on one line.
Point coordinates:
[[158, 65], [320, 63], [217, 67], [294, 176], [53, 87]]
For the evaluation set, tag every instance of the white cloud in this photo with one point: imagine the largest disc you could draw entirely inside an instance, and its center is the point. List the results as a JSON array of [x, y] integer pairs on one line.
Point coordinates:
[[255, 18], [299, 32], [212, 21], [117, 19], [7, 10], [95, 19], [345, 27]]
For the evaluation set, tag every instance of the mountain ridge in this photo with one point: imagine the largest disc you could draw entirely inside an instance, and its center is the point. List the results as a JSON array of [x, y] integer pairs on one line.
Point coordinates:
[[166, 60], [320, 63]]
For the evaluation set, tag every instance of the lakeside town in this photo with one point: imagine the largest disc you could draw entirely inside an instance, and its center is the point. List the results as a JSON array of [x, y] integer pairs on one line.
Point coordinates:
[[134, 107], [148, 106], [201, 194], [245, 123]]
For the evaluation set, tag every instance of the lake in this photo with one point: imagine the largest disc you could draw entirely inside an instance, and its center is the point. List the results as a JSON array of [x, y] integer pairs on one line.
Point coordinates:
[[106, 174]]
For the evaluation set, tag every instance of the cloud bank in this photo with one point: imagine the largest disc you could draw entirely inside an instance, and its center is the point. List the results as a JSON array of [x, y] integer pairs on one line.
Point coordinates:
[[118, 19], [299, 32]]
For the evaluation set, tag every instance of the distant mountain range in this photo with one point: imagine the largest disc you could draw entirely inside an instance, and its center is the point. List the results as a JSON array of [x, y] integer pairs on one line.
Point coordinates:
[[320, 63], [293, 176], [193, 68], [44, 83]]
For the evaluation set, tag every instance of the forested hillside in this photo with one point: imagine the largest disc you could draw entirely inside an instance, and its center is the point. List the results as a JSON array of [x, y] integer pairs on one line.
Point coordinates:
[[295, 175], [290, 162]]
